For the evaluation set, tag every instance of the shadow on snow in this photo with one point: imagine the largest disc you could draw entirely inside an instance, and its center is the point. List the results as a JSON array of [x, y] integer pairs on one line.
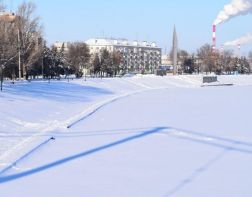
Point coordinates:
[[225, 144], [57, 90], [4, 179]]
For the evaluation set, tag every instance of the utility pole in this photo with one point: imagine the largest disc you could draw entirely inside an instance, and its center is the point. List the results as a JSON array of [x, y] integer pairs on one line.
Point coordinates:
[[19, 57], [42, 62]]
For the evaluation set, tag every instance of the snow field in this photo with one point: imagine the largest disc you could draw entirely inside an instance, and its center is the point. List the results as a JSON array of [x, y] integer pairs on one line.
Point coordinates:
[[138, 136]]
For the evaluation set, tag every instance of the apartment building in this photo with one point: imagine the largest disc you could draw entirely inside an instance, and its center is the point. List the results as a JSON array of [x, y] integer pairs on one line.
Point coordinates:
[[137, 56]]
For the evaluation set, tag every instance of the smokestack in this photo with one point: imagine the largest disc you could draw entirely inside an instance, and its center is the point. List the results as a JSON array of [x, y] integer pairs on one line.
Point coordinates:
[[214, 39]]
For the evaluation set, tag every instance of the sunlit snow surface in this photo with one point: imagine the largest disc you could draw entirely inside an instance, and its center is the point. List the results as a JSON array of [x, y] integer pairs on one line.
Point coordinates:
[[132, 136]]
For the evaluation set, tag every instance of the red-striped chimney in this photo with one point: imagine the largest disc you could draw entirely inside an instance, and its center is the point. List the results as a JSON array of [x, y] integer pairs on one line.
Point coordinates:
[[214, 38]]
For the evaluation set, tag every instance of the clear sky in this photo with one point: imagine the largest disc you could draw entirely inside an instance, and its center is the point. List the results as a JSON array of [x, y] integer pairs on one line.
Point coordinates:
[[151, 20]]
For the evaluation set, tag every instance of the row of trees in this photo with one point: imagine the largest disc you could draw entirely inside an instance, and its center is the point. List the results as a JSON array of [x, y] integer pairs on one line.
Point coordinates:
[[24, 53], [219, 62], [76, 59]]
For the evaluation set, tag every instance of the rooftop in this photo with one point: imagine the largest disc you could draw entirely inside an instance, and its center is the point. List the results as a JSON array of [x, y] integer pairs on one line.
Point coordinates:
[[119, 42]]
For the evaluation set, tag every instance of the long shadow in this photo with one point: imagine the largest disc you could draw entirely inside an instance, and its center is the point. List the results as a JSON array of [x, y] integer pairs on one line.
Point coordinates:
[[214, 144], [215, 137], [197, 173], [161, 130], [13, 177], [57, 91], [205, 167], [26, 155]]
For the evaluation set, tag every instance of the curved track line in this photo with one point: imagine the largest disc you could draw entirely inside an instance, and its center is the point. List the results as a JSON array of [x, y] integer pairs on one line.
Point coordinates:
[[12, 165], [97, 106], [92, 110]]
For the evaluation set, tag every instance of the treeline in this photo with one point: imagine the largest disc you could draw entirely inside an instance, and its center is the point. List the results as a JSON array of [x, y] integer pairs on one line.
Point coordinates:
[[24, 53], [75, 59], [219, 62]]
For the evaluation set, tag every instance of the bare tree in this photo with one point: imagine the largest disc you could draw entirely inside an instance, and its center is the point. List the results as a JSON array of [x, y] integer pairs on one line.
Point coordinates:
[[206, 58], [225, 62], [78, 57], [250, 60], [29, 33], [8, 43], [116, 62]]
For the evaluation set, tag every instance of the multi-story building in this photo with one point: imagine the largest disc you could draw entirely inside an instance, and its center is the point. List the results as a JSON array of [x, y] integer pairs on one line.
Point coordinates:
[[137, 56]]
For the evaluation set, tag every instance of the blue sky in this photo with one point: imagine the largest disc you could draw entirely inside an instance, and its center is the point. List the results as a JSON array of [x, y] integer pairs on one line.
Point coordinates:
[[151, 20]]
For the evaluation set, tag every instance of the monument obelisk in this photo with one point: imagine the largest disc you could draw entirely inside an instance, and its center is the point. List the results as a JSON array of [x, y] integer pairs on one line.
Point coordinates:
[[175, 52]]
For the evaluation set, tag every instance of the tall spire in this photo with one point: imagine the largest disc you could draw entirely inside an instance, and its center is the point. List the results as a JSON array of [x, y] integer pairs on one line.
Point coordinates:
[[175, 51]]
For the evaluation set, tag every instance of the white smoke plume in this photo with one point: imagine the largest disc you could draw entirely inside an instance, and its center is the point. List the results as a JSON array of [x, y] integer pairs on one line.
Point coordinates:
[[240, 41], [235, 8]]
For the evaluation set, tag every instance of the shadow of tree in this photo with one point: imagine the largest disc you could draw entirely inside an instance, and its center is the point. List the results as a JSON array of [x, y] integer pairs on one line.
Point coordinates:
[[56, 91]]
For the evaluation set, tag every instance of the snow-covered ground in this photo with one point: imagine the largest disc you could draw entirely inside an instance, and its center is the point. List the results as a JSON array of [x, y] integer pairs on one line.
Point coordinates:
[[131, 136]]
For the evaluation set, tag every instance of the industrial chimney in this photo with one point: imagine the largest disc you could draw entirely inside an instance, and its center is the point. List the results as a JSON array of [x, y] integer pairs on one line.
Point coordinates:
[[214, 39]]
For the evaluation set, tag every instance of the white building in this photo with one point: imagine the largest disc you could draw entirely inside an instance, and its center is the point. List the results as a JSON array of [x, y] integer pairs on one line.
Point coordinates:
[[166, 60], [137, 56], [61, 45]]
